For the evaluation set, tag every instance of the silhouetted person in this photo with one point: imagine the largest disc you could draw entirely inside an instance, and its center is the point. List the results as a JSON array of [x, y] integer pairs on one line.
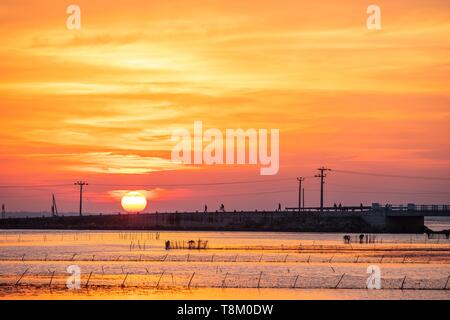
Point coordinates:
[[361, 238], [340, 207], [3, 211], [167, 245], [279, 207], [361, 206], [206, 208], [335, 207], [222, 208], [347, 239]]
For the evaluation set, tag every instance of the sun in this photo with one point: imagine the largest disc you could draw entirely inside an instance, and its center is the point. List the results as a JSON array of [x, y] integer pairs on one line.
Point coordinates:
[[134, 202]]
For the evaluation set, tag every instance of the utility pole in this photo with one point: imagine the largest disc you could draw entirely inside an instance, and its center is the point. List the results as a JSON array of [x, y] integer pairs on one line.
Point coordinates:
[[303, 204], [321, 175], [81, 184], [300, 180]]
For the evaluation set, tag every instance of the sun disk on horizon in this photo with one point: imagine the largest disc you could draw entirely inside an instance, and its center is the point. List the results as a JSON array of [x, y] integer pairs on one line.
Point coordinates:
[[134, 202]]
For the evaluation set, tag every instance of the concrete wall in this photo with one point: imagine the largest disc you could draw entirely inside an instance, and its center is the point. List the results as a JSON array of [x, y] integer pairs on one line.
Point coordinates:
[[355, 222], [413, 224]]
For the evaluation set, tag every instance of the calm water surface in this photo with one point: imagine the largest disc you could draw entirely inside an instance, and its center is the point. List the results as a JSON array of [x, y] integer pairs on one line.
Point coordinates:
[[236, 265]]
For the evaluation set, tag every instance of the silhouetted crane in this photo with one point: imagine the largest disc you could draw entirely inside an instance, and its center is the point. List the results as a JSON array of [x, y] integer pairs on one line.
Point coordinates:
[[54, 207]]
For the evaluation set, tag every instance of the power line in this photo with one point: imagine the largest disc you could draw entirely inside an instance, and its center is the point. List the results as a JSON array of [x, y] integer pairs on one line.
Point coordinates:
[[391, 192], [34, 186], [391, 175], [192, 184], [253, 193], [315, 190], [152, 184], [368, 190]]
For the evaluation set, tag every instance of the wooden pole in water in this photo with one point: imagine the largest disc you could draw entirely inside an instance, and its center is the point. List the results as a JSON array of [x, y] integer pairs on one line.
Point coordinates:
[[18, 281], [224, 279], [295, 282], [190, 281], [159, 280], [342, 277], [259, 280], [51, 279], [125, 279], [403, 283], [446, 283], [89, 279]]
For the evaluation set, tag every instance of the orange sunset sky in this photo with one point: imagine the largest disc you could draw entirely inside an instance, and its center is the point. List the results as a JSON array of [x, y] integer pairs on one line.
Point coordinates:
[[100, 103]]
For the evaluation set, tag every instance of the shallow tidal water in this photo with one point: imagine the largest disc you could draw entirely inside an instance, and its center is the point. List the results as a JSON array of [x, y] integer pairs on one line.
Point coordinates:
[[235, 265]]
